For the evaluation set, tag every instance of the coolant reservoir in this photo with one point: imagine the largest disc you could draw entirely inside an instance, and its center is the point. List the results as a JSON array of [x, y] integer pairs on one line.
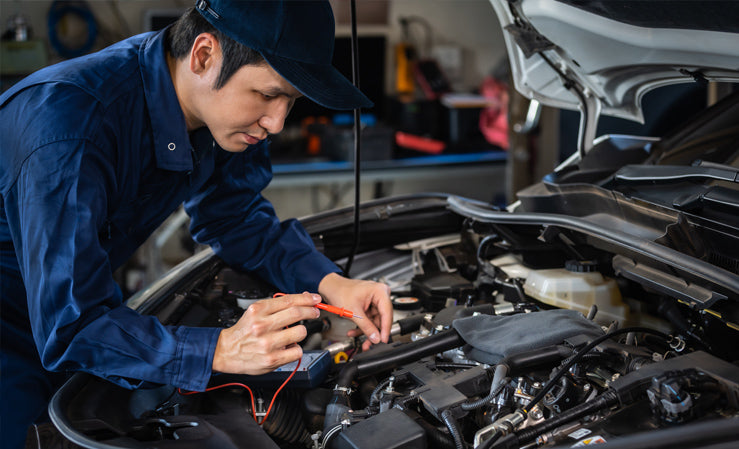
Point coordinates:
[[578, 287]]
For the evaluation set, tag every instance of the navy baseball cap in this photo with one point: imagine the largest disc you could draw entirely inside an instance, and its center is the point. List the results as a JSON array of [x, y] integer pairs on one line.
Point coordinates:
[[295, 37]]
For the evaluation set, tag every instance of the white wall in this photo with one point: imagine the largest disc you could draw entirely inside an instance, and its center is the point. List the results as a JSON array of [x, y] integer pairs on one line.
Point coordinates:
[[469, 24]]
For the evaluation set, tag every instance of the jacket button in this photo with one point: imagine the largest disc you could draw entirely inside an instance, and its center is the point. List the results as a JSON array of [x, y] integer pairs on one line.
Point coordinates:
[[171, 146]]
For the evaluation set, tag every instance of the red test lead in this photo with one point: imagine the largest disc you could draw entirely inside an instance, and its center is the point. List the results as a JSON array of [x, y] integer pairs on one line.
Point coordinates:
[[342, 312]]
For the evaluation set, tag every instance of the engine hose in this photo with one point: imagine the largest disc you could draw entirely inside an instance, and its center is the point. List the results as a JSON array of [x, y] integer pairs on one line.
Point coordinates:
[[411, 323], [437, 439], [605, 400], [383, 361], [576, 358], [495, 386], [487, 444], [450, 365], [717, 433], [409, 352], [330, 434], [536, 357], [402, 403], [380, 386], [516, 363], [453, 427], [588, 357], [285, 421], [316, 326]]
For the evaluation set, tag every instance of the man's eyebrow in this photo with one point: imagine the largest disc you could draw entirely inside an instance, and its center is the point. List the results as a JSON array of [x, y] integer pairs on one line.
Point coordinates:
[[276, 90]]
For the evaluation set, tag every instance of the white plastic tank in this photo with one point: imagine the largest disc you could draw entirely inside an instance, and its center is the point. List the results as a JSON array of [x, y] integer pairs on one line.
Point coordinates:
[[578, 287]]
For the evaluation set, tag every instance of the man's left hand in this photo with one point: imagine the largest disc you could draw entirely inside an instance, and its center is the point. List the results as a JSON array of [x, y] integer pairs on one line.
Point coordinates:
[[368, 299]]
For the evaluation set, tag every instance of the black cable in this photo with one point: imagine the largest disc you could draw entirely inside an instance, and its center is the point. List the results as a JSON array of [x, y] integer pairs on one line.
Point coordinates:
[[373, 397], [375, 362], [487, 444], [453, 427], [330, 435], [602, 402], [575, 358], [436, 438], [357, 134]]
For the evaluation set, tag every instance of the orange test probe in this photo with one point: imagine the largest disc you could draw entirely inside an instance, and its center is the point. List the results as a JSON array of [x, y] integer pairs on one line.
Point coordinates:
[[342, 312]]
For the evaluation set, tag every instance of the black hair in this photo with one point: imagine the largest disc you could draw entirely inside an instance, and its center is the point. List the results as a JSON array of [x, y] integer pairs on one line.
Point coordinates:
[[181, 36]]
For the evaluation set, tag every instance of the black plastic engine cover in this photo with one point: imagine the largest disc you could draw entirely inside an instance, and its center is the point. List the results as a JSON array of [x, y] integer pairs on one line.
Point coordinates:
[[398, 431]]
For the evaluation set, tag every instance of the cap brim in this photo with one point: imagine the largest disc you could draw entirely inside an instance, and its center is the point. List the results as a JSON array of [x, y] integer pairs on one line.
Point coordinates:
[[321, 83]]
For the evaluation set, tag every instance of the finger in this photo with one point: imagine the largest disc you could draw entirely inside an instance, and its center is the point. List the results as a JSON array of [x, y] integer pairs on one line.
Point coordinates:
[[385, 309], [293, 315], [369, 329], [274, 305], [281, 357], [286, 337], [268, 307], [366, 345]]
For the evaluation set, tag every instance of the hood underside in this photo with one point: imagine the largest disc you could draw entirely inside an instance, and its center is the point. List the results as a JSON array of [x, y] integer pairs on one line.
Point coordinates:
[[568, 53]]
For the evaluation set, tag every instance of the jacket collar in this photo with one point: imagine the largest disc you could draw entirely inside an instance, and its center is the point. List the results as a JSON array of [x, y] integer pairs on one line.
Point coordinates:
[[171, 141]]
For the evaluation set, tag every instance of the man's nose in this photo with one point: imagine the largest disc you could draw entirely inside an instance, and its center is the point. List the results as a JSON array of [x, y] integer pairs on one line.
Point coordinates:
[[274, 117]]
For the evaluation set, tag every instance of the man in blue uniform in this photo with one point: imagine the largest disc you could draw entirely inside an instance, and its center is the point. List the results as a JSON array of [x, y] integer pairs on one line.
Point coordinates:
[[98, 151]]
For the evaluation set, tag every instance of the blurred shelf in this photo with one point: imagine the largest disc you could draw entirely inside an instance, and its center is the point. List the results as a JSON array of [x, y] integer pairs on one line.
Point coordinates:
[[446, 165]]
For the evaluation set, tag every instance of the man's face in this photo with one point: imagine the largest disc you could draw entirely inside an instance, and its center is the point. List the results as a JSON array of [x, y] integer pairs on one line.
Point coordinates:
[[252, 104]]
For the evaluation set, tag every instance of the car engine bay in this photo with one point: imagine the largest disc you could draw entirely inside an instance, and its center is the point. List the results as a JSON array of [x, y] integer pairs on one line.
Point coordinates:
[[505, 335]]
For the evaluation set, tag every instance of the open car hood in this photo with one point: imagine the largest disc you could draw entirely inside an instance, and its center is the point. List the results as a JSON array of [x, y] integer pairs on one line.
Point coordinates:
[[604, 56]]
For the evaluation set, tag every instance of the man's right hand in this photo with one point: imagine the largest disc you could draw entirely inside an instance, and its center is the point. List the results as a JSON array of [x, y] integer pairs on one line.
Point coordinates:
[[260, 342]]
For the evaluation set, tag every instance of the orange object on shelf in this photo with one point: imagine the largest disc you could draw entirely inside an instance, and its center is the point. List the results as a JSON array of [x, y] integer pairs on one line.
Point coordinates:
[[419, 143]]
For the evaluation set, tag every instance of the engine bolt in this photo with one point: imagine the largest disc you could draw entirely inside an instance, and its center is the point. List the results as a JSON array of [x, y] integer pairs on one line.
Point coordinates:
[[536, 413]]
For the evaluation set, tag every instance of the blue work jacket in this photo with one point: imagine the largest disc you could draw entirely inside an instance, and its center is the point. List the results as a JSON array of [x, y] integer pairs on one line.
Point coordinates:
[[95, 155]]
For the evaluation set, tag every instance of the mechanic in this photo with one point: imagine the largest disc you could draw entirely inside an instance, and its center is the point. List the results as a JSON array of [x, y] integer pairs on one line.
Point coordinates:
[[99, 150]]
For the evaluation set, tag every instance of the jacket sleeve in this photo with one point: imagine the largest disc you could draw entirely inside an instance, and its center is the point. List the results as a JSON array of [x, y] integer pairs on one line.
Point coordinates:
[[78, 320], [229, 214]]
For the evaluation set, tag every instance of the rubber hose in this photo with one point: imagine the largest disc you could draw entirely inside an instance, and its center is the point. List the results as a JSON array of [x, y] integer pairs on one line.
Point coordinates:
[[601, 402], [453, 427], [406, 353], [575, 358], [285, 422], [515, 363], [380, 386], [409, 352], [411, 323], [702, 434], [437, 438], [316, 326], [454, 366], [541, 356], [501, 371], [487, 444]]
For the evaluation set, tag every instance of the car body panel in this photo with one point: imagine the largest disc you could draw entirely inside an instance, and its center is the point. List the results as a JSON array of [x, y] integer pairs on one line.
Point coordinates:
[[613, 61]]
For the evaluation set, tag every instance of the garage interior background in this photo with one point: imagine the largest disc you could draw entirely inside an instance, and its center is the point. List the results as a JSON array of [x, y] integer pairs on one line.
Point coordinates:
[[464, 30], [312, 156], [462, 35]]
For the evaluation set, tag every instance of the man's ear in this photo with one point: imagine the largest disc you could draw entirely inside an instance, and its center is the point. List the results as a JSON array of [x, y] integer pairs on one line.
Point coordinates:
[[204, 54]]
